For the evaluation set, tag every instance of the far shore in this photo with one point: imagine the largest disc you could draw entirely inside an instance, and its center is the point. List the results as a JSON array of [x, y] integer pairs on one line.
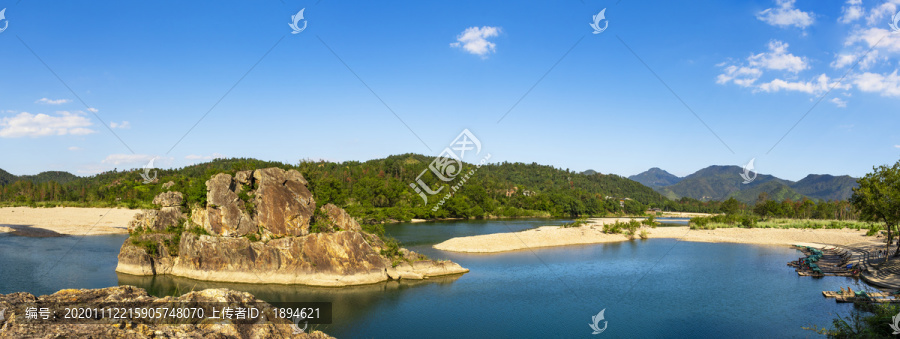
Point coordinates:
[[625, 217], [56, 221], [592, 233]]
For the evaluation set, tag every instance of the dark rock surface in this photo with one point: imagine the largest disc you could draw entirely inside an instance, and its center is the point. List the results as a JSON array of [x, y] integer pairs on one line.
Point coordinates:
[[15, 325]]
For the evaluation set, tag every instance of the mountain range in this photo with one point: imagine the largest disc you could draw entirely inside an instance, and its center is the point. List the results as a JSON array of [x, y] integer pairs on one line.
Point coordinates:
[[723, 182], [57, 176]]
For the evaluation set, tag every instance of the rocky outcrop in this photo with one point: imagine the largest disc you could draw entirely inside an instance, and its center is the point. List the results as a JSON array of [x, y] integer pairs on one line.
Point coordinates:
[[276, 202], [226, 213], [340, 219], [284, 204], [14, 324], [168, 215], [258, 224], [321, 259]]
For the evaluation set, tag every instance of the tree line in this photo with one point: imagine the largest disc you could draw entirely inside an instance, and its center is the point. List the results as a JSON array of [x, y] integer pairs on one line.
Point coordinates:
[[379, 190]]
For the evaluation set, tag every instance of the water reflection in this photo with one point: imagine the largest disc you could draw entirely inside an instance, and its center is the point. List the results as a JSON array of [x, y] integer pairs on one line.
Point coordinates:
[[350, 304]]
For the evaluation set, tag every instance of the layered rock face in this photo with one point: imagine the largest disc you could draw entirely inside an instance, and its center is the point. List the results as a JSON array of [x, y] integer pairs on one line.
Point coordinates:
[[276, 201], [259, 225], [168, 215], [13, 323]]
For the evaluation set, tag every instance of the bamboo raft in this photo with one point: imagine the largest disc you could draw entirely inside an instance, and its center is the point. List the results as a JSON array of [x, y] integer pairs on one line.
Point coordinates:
[[819, 263], [835, 294], [848, 296]]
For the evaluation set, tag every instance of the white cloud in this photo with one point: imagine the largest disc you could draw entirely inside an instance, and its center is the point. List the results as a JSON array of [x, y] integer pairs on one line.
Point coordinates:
[[127, 159], [852, 12], [820, 85], [742, 76], [786, 15], [52, 102], [93, 109], [777, 58], [871, 36], [74, 148], [896, 146], [850, 59], [91, 169], [204, 157], [880, 13], [474, 40], [122, 125], [886, 85], [137, 160], [839, 102], [39, 125]]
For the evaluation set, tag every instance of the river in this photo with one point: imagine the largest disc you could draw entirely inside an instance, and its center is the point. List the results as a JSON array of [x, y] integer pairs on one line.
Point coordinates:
[[650, 288]]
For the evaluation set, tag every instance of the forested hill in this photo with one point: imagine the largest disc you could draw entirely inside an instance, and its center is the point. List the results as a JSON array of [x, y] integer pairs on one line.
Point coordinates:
[[655, 177], [379, 189], [56, 176], [723, 182]]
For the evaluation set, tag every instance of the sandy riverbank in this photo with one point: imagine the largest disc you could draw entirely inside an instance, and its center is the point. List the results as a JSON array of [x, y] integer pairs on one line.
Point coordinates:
[[550, 236], [29, 221], [683, 215]]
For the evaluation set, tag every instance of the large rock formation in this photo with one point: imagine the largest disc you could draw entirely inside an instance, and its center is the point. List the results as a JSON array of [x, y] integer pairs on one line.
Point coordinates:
[[168, 215], [258, 226], [337, 217], [13, 323]]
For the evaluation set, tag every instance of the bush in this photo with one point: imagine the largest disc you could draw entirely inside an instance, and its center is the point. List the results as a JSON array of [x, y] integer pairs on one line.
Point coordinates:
[[376, 229], [650, 221], [613, 228], [391, 250], [865, 321], [631, 228], [749, 221], [873, 230], [576, 223], [644, 234], [150, 246], [700, 223]]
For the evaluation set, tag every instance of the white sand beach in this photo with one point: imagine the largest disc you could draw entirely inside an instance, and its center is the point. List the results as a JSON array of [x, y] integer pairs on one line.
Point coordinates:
[[66, 220], [549, 236]]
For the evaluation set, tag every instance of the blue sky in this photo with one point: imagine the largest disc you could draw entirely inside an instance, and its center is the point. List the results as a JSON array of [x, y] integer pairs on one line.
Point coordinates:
[[748, 69]]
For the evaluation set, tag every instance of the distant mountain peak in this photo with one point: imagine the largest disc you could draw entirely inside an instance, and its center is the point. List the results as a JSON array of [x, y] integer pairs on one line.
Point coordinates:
[[720, 182], [656, 177]]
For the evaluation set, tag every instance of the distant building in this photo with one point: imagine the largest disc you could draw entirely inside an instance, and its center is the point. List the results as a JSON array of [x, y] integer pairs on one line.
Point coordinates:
[[512, 191]]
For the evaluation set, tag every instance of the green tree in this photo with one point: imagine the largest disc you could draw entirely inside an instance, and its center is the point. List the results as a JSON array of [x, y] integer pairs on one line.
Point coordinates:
[[878, 197], [730, 206]]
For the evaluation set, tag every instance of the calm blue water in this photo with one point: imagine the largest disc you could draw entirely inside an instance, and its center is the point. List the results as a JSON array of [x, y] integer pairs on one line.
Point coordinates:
[[652, 288]]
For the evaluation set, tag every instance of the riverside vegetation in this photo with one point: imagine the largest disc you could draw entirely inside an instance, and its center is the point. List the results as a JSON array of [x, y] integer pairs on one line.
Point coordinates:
[[377, 191]]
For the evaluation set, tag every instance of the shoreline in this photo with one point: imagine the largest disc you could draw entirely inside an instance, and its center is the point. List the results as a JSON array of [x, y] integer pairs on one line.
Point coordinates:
[[685, 215], [554, 236], [61, 221]]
